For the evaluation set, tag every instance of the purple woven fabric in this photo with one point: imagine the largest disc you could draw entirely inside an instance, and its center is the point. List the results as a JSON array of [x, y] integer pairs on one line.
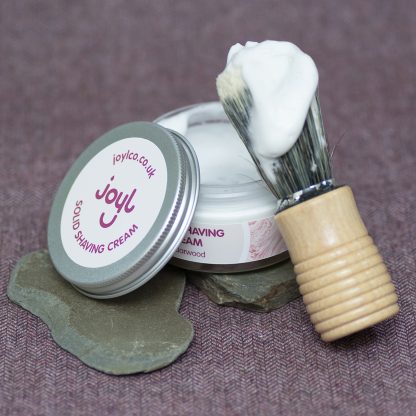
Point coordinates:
[[70, 70]]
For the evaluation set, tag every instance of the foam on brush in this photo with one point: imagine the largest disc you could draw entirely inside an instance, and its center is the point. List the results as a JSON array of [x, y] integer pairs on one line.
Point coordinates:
[[306, 164]]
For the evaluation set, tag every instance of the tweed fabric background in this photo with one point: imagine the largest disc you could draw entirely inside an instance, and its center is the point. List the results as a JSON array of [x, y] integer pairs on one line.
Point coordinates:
[[70, 70]]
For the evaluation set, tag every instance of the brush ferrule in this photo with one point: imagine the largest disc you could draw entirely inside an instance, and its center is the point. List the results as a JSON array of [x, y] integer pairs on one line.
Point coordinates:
[[305, 194]]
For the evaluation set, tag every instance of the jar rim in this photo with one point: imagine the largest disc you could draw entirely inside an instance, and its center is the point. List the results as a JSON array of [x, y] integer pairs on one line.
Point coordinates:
[[185, 108], [207, 187]]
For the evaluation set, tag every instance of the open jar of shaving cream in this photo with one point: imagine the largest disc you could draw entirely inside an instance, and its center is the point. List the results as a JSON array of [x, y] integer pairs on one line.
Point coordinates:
[[129, 205], [233, 227]]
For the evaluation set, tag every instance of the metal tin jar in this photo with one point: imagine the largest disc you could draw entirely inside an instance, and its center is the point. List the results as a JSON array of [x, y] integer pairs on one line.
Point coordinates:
[[123, 208], [233, 228]]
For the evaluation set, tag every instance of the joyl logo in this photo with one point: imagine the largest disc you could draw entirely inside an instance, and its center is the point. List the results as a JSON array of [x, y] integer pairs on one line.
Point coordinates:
[[114, 196]]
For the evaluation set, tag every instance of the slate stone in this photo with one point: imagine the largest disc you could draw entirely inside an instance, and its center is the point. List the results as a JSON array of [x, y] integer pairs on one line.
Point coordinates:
[[138, 332], [261, 290]]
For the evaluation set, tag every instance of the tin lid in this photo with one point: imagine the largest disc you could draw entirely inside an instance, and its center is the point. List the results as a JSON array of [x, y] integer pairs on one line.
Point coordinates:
[[123, 208]]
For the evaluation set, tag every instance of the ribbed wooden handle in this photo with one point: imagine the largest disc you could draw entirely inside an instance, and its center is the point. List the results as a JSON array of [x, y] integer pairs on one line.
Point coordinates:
[[341, 275]]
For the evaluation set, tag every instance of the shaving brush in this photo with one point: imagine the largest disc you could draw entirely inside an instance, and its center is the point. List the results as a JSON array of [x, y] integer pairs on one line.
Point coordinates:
[[342, 277]]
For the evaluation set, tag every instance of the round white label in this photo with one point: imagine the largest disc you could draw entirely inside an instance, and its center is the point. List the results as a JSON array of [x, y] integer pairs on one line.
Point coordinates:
[[113, 202]]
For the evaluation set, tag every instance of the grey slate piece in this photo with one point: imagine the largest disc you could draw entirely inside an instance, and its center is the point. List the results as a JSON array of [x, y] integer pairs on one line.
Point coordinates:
[[138, 332], [261, 290]]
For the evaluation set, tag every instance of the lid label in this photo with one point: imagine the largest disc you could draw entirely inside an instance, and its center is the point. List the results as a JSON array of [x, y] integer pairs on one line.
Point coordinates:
[[113, 202]]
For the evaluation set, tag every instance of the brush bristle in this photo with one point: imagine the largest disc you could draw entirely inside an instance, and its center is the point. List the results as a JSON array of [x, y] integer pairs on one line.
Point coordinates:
[[236, 100], [306, 164], [230, 83]]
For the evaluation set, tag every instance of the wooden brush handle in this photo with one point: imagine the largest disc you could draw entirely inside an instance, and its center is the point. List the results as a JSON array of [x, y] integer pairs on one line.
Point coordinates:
[[341, 275]]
